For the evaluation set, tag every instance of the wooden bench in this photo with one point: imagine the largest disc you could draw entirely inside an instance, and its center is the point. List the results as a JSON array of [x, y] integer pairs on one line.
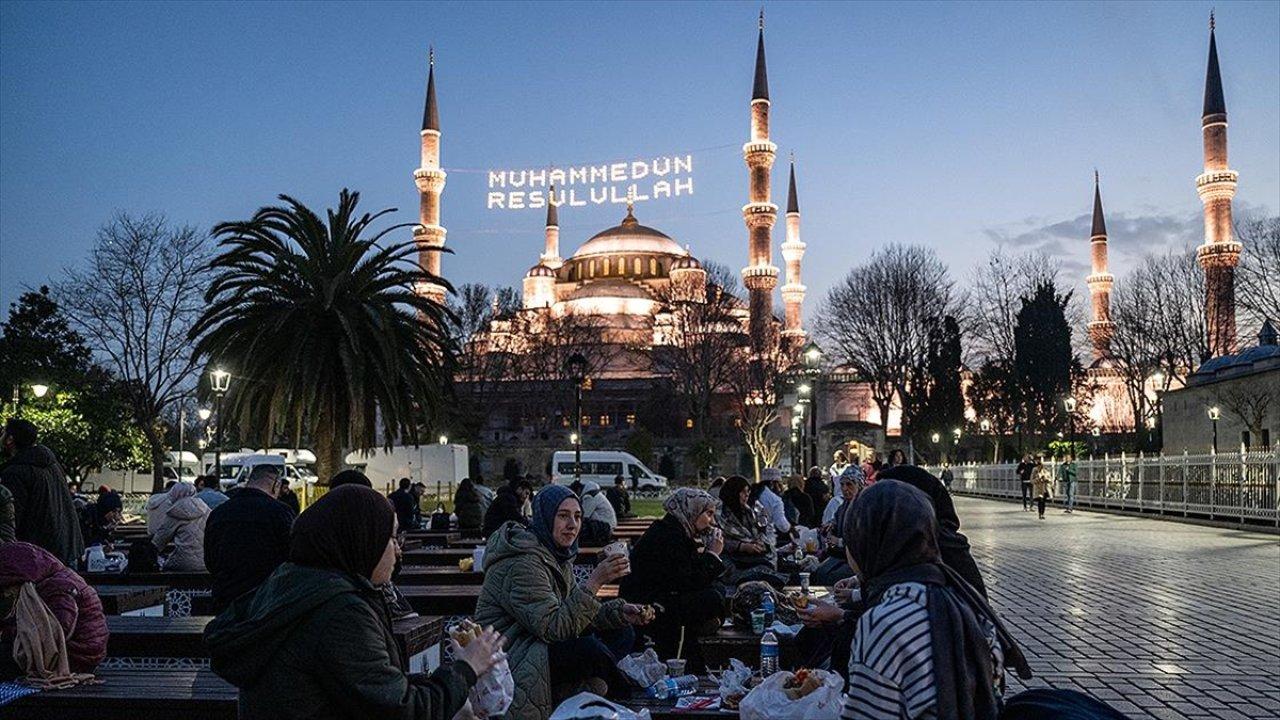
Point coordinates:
[[183, 637], [132, 599], [133, 694], [437, 575], [433, 537], [451, 556], [176, 580], [666, 710], [461, 599]]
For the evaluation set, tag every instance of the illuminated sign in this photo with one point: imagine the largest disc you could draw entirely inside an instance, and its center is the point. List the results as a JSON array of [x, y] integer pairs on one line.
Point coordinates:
[[603, 184]]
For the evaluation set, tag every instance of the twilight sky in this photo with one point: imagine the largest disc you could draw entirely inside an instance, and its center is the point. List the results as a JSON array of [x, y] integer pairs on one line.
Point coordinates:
[[957, 126]]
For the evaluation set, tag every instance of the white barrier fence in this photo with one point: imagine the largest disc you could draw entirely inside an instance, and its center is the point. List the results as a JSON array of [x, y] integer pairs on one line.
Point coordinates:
[[1239, 487]]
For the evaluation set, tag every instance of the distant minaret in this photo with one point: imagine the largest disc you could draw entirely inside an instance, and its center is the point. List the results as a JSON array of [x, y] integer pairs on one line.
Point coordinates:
[[1220, 252], [430, 181], [1101, 327], [760, 276], [551, 251], [792, 252]]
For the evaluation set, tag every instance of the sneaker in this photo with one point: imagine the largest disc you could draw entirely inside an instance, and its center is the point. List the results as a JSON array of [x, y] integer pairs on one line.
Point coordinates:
[[1041, 517]]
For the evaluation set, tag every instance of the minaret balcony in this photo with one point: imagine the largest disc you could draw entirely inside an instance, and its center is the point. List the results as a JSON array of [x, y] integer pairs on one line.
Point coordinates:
[[793, 293], [431, 235], [1099, 280], [1219, 254], [429, 179], [1217, 184], [760, 277], [793, 250], [760, 214], [759, 149]]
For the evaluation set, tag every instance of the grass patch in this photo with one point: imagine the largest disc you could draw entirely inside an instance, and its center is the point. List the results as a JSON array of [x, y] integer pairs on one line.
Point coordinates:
[[647, 507]]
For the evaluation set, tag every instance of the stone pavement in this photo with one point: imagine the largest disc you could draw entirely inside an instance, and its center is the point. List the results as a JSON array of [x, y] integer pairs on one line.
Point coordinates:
[[1160, 619]]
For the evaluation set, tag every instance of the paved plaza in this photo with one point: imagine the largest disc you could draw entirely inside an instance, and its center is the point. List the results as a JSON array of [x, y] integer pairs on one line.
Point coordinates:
[[1160, 619]]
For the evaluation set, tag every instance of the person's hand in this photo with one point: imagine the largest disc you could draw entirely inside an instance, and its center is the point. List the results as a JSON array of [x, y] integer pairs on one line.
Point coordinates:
[[819, 614], [843, 589], [715, 542], [482, 653], [752, 548], [608, 570], [635, 614]]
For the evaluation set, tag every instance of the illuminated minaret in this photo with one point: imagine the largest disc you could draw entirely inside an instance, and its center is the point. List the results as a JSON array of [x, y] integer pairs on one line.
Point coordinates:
[[551, 251], [429, 178], [1101, 327], [792, 253], [1220, 252], [760, 276]]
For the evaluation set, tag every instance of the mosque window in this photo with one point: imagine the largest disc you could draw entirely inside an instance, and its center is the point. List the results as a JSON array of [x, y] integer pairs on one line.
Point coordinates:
[[636, 264], [653, 266], [604, 267], [586, 421], [688, 423], [591, 269], [631, 419], [606, 420]]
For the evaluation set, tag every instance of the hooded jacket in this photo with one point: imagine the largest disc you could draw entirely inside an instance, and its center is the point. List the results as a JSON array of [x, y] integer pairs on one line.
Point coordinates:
[[596, 506], [44, 511], [469, 506], [316, 644], [533, 600], [69, 597], [183, 523]]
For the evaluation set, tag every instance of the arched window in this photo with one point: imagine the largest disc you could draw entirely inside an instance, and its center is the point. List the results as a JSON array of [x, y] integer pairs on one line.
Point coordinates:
[[653, 266], [591, 269], [636, 265]]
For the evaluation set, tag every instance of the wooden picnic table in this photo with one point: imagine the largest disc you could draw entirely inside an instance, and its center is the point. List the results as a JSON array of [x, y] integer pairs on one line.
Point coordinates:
[[121, 599], [433, 537], [176, 580], [461, 599], [437, 575], [451, 556], [462, 542], [666, 709], [183, 637], [131, 694]]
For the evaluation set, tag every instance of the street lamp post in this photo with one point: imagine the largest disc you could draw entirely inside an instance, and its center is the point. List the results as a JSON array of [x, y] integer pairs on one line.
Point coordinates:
[[955, 446], [813, 363], [576, 367], [1096, 433], [37, 389], [1070, 404], [204, 414], [935, 438], [1214, 414], [182, 437], [220, 382], [985, 426]]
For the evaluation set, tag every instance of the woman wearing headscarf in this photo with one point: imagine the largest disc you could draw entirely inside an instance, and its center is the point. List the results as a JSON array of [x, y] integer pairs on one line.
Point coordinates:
[[561, 637], [952, 543], [674, 564], [747, 544], [833, 567], [181, 522], [314, 641], [928, 645]]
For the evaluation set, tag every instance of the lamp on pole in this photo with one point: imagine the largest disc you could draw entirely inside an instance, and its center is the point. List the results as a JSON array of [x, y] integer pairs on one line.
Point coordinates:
[[1070, 404], [796, 450], [813, 365], [182, 437], [576, 367], [935, 438], [37, 389], [219, 382], [1097, 432], [985, 426], [955, 446], [1214, 414], [204, 414]]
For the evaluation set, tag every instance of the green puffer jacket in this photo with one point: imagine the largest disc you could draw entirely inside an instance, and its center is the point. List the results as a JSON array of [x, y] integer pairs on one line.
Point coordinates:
[[316, 644], [533, 600]]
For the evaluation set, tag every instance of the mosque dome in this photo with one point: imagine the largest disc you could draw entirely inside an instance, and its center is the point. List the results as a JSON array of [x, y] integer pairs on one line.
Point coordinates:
[[629, 237], [688, 262], [540, 270]]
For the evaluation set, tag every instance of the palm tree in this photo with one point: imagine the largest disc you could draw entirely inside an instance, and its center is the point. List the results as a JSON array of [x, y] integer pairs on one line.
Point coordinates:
[[323, 331]]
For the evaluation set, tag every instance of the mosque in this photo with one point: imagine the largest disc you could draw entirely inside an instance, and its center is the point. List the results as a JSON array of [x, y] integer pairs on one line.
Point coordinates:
[[629, 284]]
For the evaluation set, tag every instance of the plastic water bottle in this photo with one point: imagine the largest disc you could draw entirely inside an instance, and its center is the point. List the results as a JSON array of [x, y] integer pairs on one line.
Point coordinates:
[[673, 687], [768, 606], [768, 654]]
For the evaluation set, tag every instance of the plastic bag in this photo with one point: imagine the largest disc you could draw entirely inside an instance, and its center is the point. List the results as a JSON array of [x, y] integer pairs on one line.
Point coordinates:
[[589, 706], [493, 691], [643, 668], [769, 699], [809, 539], [734, 680]]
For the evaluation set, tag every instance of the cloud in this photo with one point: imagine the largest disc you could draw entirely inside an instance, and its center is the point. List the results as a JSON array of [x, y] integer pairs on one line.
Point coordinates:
[[1132, 234]]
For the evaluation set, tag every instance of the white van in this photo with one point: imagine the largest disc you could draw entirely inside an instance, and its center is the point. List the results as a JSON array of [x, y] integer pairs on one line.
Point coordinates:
[[602, 466], [434, 465]]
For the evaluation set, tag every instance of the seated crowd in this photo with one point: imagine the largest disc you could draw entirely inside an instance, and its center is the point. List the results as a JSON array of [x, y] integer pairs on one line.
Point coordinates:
[[306, 600]]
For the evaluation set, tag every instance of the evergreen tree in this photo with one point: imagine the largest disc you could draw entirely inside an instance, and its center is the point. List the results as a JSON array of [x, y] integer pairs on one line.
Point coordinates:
[[1044, 365], [942, 406]]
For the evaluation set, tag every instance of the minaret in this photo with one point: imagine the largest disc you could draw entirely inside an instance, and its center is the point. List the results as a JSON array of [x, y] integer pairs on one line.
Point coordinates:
[[1220, 252], [551, 250], [760, 276], [1101, 327], [429, 178], [792, 252]]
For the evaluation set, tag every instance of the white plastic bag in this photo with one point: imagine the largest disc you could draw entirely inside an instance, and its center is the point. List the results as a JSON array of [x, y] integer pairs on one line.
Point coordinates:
[[494, 691], [589, 706], [734, 680], [769, 701], [643, 668]]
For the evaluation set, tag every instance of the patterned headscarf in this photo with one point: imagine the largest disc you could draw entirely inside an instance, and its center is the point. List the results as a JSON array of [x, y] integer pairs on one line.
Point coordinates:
[[855, 474], [686, 504], [181, 490]]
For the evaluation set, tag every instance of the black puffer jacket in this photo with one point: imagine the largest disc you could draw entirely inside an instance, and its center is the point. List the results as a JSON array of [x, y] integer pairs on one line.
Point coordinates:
[[505, 506], [665, 562], [44, 511], [467, 505]]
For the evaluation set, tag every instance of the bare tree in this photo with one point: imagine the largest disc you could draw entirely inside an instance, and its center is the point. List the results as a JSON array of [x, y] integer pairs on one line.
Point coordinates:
[[879, 320], [752, 385], [994, 297], [134, 302], [1251, 402], [1259, 271]]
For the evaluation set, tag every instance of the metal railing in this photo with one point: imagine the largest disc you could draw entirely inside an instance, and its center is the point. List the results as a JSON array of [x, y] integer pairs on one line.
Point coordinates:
[[1241, 487]]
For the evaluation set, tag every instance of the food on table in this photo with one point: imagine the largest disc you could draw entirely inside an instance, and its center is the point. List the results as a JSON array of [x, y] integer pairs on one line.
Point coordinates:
[[731, 701]]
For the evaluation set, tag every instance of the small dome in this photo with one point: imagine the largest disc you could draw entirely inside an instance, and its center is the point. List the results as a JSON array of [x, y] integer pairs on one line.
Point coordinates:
[[540, 270], [688, 262]]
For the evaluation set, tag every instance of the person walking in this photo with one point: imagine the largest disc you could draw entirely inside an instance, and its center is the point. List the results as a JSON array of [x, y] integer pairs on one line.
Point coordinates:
[[183, 524], [1067, 473], [44, 511], [247, 537], [561, 637], [1042, 485], [1024, 471], [315, 640]]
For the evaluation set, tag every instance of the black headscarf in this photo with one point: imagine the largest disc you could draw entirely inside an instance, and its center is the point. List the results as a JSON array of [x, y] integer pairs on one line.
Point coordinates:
[[731, 495], [951, 542], [892, 534], [350, 477], [345, 530]]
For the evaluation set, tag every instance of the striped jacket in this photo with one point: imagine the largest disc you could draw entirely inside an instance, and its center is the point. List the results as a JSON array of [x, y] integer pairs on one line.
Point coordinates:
[[891, 662]]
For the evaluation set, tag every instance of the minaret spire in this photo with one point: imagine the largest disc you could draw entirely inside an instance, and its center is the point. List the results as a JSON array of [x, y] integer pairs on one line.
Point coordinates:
[[430, 179], [792, 252], [760, 276], [1220, 253], [551, 247], [1100, 281]]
